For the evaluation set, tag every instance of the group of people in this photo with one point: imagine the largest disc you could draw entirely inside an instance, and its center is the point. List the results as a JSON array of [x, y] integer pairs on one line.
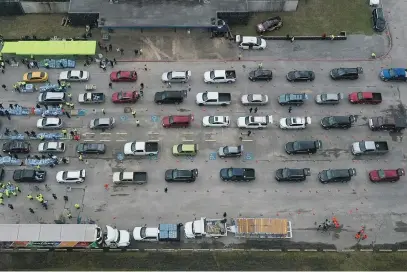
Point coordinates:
[[8, 189]]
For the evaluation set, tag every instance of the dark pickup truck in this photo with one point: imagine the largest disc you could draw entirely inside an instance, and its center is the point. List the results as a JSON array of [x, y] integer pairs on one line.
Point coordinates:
[[365, 98], [387, 123], [370, 148], [28, 175], [237, 174]]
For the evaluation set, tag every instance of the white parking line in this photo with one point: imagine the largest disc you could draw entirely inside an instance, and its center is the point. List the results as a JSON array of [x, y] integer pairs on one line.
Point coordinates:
[[121, 140], [188, 133], [121, 133], [185, 140], [210, 140], [153, 140], [247, 140], [153, 133], [89, 133], [105, 133], [105, 140], [88, 140]]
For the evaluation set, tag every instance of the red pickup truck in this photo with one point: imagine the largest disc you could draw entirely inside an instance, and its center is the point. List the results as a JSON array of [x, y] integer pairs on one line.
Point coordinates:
[[391, 175], [365, 98], [125, 97]]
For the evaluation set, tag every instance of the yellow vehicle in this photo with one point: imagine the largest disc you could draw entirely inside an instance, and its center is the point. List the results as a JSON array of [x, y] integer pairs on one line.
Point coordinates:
[[185, 150], [33, 77]]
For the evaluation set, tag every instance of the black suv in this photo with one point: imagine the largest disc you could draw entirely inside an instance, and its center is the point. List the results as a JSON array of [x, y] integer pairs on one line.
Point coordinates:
[[344, 122], [346, 73], [336, 175], [87, 148], [292, 99], [261, 74], [290, 174], [302, 147], [178, 175], [16, 147], [170, 97], [379, 23], [28, 175]]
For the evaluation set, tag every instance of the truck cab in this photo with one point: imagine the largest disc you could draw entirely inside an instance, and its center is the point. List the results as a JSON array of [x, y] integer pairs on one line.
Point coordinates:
[[115, 238]]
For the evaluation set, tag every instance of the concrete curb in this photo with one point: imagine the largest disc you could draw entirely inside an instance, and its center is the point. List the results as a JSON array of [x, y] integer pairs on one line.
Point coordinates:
[[163, 250]]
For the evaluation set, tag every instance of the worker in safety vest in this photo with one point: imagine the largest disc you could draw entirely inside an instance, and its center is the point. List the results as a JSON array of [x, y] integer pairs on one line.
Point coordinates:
[[373, 55], [77, 206], [7, 193], [1, 201], [30, 197]]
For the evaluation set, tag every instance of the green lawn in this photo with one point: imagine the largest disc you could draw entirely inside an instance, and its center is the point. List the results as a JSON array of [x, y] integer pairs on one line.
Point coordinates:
[[204, 261], [315, 17]]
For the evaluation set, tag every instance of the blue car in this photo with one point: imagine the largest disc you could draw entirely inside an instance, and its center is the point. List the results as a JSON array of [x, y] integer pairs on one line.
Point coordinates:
[[394, 74]]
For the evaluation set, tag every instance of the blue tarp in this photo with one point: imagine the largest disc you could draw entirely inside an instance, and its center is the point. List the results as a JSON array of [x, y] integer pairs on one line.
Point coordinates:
[[49, 112], [52, 88], [58, 63], [21, 137], [31, 162], [41, 162], [17, 111], [9, 161]]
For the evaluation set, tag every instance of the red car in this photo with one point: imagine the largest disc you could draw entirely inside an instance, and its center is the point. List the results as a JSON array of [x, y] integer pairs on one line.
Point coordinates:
[[365, 98], [125, 97], [176, 121], [386, 175], [123, 76]]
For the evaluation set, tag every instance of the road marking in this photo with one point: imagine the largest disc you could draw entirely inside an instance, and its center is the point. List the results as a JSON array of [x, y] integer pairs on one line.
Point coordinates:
[[153, 140], [247, 140], [185, 140], [293, 249], [88, 140], [188, 133], [367, 250], [385, 250], [121, 133], [348, 250], [89, 133], [402, 250], [122, 141], [310, 250], [105, 133], [274, 249], [105, 140], [154, 133], [210, 140], [331, 250]]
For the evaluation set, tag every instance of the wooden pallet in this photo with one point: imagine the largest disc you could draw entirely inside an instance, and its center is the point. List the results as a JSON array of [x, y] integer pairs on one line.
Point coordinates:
[[261, 225]]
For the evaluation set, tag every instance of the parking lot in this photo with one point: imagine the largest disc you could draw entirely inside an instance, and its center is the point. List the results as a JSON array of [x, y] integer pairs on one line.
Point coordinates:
[[356, 203]]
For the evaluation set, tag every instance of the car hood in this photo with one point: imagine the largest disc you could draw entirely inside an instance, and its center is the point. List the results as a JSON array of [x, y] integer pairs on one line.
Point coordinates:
[[127, 148], [116, 177], [334, 72], [318, 98], [85, 75], [241, 122], [164, 76], [115, 96], [289, 146], [291, 75], [166, 120], [353, 96], [374, 175], [39, 123], [356, 147], [175, 149], [252, 74], [245, 99], [322, 175], [168, 174], [281, 98], [199, 98], [136, 234], [92, 123], [283, 122], [224, 172], [81, 97], [385, 73], [279, 173], [113, 75], [220, 151], [205, 121], [63, 75], [59, 176], [157, 96], [324, 121], [207, 76]]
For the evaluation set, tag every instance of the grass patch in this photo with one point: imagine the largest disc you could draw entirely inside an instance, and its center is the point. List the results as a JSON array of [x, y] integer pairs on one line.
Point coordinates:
[[41, 25], [204, 261], [315, 17]]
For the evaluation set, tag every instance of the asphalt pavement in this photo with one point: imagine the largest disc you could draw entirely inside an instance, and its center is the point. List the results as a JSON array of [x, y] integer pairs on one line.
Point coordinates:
[[380, 207]]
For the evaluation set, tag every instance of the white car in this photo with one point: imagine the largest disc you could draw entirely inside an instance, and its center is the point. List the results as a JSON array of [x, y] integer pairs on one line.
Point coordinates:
[[258, 122], [51, 147], [49, 123], [295, 122], [255, 99], [145, 234], [249, 42], [176, 76], [216, 121], [74, 75], [71, 176]]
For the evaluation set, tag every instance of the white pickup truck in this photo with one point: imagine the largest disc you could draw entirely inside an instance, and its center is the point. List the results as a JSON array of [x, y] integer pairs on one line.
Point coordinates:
[[206, 227], [220, 76], [213, 99], [141, 148]]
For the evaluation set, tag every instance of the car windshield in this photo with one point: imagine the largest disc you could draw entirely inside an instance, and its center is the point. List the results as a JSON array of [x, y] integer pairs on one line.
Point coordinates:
[[249, 119], [174, 174], [289, 121], [360, 96], [329, 174], [44, 121], [118, 75], [120, 95], [143, 232], [230, 172], [169, 75], [331, 120], [96, 122], [324, 97], [381, 173], [81, 74], [258, 73], [212, 74], [258, 41], [299, 74], [205, 96], [296, 146], [170, 119], [286, 172], [121, 175], [211, 119], [392, 73], [362, 147], [65, 175], [80, 147], [179, 148], [226, 150], [341, 72]]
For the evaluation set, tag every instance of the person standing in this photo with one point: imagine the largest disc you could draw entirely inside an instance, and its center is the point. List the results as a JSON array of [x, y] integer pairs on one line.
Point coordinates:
[[249, 133], [250, 110], [255, 110], [77, 206], [4, 87], [54, 196], [134, 113], [137, 123], [31, 210], [110, 85], [290, 109]]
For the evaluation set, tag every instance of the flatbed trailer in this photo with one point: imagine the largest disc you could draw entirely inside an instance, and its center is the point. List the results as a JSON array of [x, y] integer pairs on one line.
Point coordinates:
[[261, 228], [49, 236]]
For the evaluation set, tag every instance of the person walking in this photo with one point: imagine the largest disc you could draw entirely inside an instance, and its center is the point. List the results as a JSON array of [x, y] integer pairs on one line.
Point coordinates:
[[290, 109], [292, 39], [65, 133], [249, 133], [18, 189], [250, 110], [54, 196], [110, 85], [103, 111], [189, 87], [260, 65], [4, 87], [31, 210], [70, 96], [29, 197], [69, 215], [11, 206], [137, 123], [80, 157], [65, 198], [141, 86], [165, 190], [373, 55], [77, 206], [145, 67], [121, 51], [59, 82], [255, 110], [134, 113]]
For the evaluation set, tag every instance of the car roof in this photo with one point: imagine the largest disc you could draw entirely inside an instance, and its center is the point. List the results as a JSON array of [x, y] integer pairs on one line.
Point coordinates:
[[178, 74], [259, 119], [258, 97], [342, 119], [125, 73], [128, 175], [73, 174], [52, 145], [173, 93], [75, 73], [188, 147], [103, 120], [17, 143], [263, 72], [297, 120], [54, 95], [52, 120], [93, 146], [295, 172], [249, 39], [332, 96], [181, 118], [184, 172], [340, 172]]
